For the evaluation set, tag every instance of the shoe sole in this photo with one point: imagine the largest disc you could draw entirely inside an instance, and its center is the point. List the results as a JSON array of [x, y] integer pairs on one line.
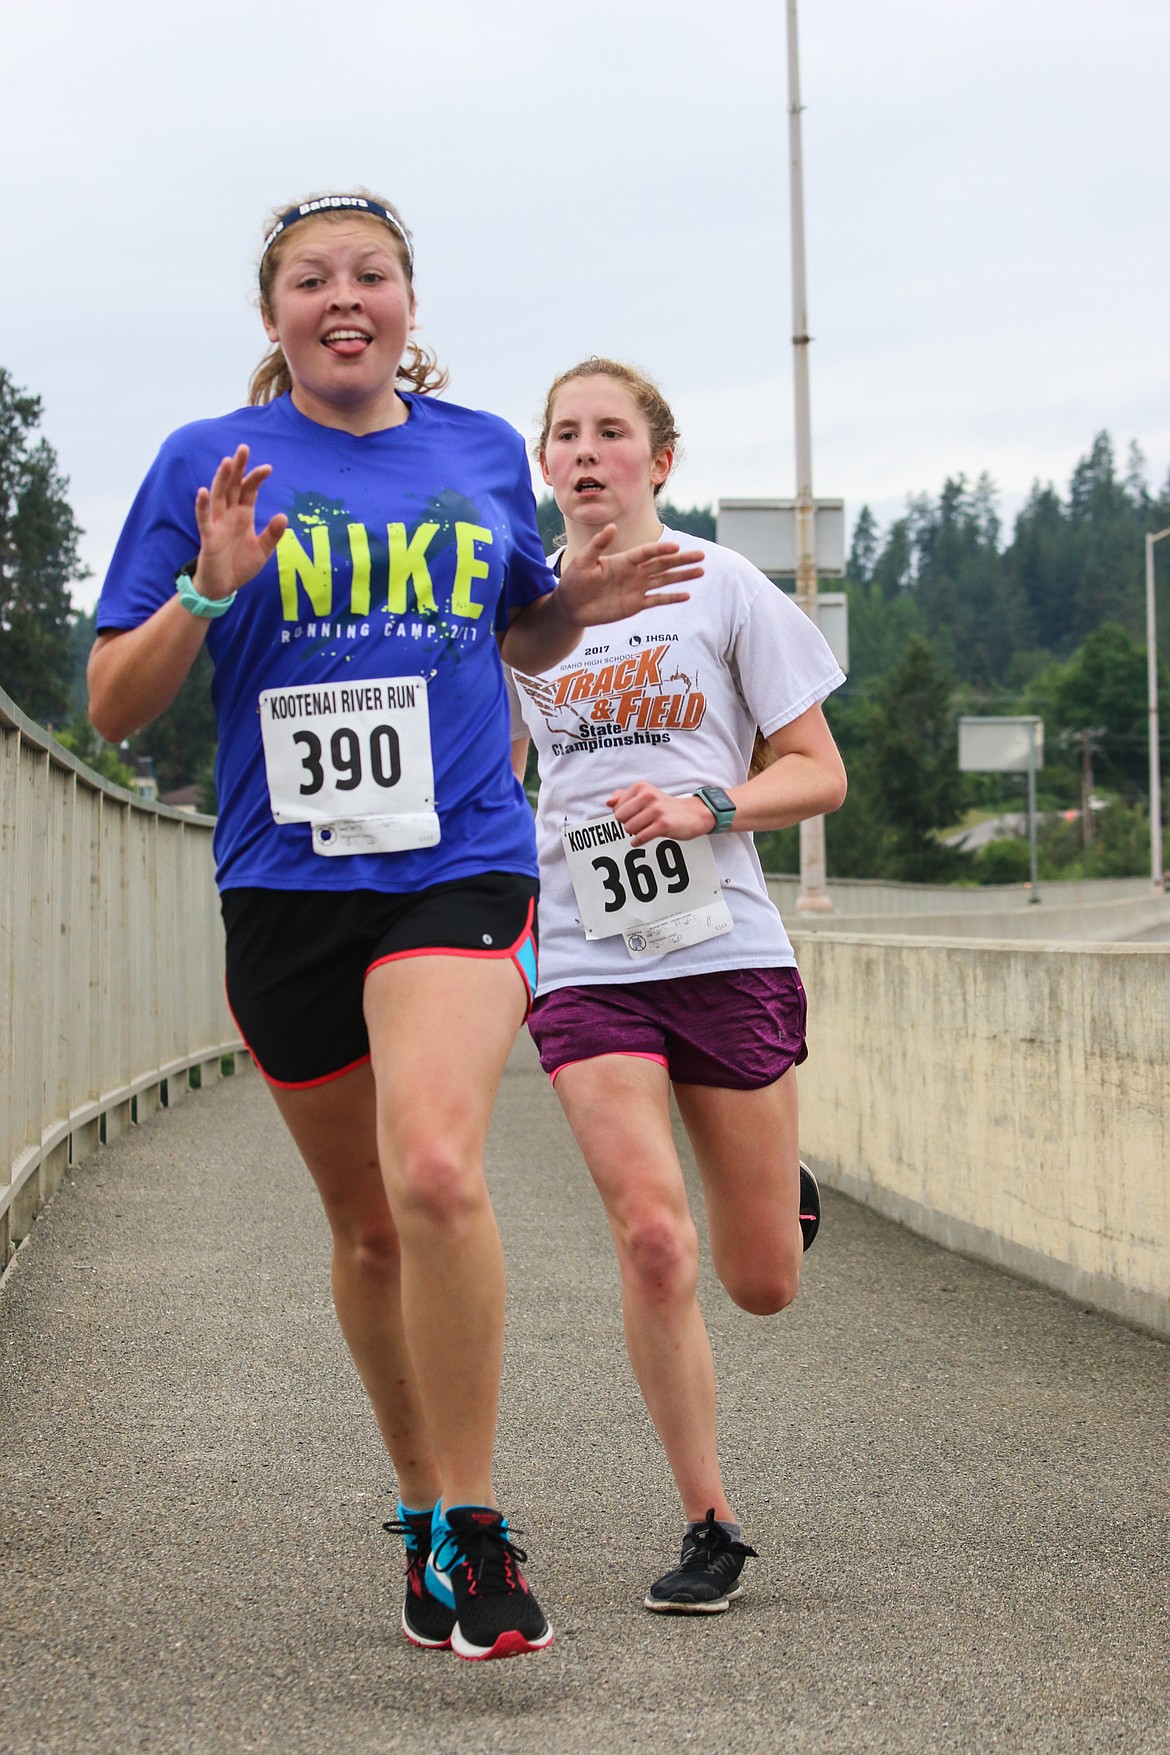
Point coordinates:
[[511, 1644], [424, 1644], [661, 1606]]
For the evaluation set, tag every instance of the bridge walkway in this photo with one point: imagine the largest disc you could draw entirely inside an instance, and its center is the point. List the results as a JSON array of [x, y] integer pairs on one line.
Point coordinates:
[[957, 1483]]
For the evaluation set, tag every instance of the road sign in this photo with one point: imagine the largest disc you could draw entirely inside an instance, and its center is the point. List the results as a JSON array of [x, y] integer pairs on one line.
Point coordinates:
[[764, 532], [1006, 746], [1000, 746]]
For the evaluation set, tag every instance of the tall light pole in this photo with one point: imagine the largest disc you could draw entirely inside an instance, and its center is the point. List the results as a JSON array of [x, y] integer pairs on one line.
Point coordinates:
[[1157, 877], [812, 831]]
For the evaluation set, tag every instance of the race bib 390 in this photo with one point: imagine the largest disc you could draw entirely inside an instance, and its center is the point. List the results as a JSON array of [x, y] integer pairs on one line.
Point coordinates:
[[354, 761]]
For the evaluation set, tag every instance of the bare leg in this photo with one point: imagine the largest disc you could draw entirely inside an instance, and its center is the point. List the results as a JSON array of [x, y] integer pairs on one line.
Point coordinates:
[[440, 1030], [747, 1148], [618, 1108], [333, 1126]]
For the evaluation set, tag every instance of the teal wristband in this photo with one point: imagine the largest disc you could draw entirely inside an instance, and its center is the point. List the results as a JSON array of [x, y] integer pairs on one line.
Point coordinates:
[[207, 607]]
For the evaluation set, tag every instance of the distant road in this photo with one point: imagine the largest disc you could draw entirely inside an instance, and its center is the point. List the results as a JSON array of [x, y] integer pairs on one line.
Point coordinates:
[[1155, 935], [1003, 828]]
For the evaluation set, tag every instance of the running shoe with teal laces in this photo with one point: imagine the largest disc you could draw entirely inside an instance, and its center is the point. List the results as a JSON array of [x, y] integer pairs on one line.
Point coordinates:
[[810, 1205], [475, 1570], [707, 1576], [425, 1620]]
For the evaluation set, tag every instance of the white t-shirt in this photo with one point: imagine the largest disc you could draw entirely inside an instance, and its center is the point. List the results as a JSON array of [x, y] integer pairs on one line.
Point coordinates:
[[672, 696]]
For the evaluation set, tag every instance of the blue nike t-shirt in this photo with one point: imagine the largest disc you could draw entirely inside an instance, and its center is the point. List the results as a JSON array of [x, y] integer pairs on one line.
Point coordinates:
[[407, 550]]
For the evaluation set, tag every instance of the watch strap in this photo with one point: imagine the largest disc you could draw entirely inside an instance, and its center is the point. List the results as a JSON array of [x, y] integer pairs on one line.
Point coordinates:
[[208, 608], [722, 808]]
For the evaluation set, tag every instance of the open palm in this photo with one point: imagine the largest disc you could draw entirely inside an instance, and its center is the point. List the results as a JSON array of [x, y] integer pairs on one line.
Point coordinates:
[[598, 587], [231, 549]]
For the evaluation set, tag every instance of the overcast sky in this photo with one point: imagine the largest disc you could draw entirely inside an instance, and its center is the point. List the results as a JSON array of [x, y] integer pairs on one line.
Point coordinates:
[[986, 188]]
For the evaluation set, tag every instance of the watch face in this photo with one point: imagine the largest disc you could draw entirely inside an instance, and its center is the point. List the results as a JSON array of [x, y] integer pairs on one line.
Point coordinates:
[[721, 807]]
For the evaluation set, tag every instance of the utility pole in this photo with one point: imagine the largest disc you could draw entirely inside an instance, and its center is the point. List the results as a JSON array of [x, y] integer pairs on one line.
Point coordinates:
[[1157, 875], [812, 831], [1089, 739]]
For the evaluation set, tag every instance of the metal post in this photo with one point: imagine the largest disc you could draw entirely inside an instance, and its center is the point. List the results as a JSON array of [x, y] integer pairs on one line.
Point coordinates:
[[812, 831], [1157, 875], [1032, 861]]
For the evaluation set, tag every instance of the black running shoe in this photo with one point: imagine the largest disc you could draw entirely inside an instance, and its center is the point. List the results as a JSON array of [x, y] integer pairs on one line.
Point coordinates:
[[476, 1570], [810, 1205], [708, 1576], [425, 1620]]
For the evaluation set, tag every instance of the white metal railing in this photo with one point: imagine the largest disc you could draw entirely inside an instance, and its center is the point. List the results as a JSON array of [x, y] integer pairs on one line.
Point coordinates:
[[111, 964]]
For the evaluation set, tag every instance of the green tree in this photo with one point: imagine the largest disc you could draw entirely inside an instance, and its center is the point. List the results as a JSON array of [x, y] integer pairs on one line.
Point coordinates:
[[913, 761], [959, 583], [1040, 566], [695, 520], [181, 742], [38, 561], [996, 615], [1076, 564], [880, 629], [82, 740], [892, 567], [81, 637], [863, 550], [1103, 687]]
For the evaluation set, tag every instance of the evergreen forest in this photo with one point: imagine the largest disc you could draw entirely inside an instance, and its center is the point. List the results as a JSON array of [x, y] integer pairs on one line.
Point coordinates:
[[949, 614]]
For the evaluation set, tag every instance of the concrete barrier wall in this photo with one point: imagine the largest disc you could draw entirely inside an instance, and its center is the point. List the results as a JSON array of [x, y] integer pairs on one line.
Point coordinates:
[[1008, 1100], [111, 964]]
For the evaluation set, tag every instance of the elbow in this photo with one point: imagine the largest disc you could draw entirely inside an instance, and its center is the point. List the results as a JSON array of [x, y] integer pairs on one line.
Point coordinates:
[[101, 709], [108, 724], [107, 715], [836, 791]]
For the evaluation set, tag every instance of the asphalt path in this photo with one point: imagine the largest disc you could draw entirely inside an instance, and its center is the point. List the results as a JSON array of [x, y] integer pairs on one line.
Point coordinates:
[[957, 1483]]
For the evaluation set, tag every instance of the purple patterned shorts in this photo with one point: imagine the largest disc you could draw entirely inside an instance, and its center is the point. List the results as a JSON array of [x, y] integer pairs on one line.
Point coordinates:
[[736, 1028]]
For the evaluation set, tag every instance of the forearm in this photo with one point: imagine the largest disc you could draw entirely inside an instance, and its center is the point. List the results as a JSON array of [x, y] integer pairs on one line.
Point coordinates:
[[793, 788], [540, 635], [807, 779], [134, 676]]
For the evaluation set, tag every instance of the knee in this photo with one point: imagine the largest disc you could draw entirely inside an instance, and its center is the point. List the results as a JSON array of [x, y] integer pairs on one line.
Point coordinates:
[[766, 1290], [659, 1252], [432, 1188], [370, 1250]]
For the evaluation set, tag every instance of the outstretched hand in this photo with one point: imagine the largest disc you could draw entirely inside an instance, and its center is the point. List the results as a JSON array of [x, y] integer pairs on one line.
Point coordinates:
[[599, 587], [231, 549]]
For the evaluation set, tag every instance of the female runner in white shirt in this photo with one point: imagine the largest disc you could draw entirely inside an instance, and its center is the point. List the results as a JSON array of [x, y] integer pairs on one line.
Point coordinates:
[[663, 961]]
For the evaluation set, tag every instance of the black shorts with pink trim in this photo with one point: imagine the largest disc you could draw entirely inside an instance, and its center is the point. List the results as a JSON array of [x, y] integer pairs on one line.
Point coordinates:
[[297, 960]]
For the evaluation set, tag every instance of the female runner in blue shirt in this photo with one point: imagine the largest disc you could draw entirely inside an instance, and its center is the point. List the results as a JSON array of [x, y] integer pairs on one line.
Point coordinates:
[[357, 555]]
